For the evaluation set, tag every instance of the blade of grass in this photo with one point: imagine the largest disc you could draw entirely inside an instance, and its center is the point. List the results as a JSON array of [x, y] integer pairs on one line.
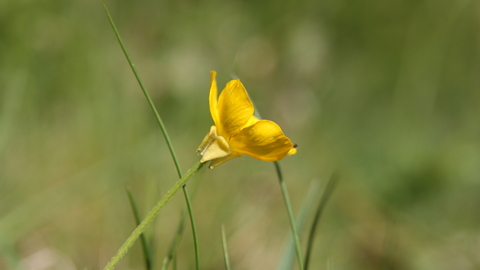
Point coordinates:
[[291, 217], [175, 262], [10, 106], [164, 131], [173, 247], [194, 228], [224, 247], [332, 183], [151, 215], [143, 239], [389, 243], [178, 235], [144, 90], [288, 255], [10, 254]]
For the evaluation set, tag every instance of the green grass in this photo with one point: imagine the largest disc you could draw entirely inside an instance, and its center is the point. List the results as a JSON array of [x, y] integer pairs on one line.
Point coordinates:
[[385, 93]]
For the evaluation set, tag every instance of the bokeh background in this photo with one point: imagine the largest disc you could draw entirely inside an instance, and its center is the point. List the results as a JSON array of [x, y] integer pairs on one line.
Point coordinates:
[[386, 93]]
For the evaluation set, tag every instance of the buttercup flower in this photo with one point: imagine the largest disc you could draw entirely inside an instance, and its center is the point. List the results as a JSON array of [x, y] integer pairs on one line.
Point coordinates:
[[237, 131]]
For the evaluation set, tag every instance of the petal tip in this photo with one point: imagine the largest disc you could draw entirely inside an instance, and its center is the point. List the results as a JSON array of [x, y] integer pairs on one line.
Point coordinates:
[[293, 151]]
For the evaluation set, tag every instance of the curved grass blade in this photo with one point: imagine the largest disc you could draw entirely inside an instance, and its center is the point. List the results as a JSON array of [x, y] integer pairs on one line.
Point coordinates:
[[332, 183], [10, 254], [178, 235], [151, 215], [143, 239], [194, 227], [173, 247], [145, 92], [291, 217], [162, 127], [224, 247], [288, 255]]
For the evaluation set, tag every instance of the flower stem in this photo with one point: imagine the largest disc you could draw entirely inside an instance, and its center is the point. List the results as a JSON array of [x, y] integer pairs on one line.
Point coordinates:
[[151, 215], [293, 224]]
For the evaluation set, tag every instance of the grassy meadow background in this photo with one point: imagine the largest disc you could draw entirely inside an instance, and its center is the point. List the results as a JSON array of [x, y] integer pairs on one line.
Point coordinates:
[[386, 93]]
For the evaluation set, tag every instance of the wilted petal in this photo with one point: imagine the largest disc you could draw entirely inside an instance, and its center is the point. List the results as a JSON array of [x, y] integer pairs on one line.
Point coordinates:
[[264, 140], [208, 139], [221, 160], [234, 109], [217, 148]]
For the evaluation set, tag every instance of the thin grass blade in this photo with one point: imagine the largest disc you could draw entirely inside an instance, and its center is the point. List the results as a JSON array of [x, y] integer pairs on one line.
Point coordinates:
[[143, 238], [176, 240], [175, 262], [194, 227], [291, 217], [178, 235], [288, 255], [145, 92], [224, 247], [151, 215], [162, 127], [332, 183], [10, 254]]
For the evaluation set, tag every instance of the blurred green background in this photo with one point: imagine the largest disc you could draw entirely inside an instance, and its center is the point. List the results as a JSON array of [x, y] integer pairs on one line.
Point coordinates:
[[384, 92]]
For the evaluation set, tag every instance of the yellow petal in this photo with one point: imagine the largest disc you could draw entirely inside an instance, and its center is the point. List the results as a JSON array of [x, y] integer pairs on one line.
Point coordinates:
[[264, 140], [213, 97], [251, 121], [234, 109]]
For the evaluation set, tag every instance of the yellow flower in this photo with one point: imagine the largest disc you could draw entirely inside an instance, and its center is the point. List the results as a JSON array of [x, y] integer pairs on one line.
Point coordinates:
[[237, 131]]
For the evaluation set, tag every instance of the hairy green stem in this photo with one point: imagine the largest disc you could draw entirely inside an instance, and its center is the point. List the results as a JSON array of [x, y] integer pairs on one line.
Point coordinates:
[[291, 217], [151, 215]]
